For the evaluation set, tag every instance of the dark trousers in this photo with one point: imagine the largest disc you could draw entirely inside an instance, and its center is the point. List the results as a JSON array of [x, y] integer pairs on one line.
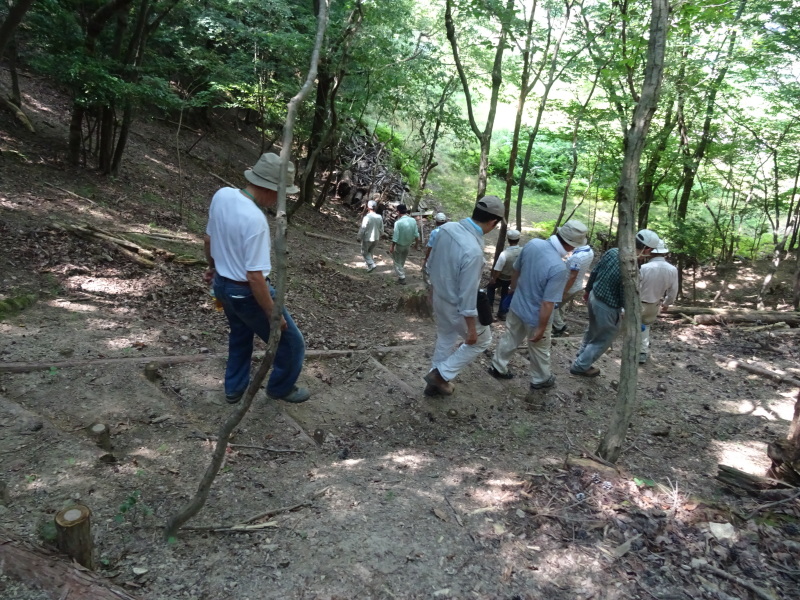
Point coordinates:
[[490, 289], [247, 319]]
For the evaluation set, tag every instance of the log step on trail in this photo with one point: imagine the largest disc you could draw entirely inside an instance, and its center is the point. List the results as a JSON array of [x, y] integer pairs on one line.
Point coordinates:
[[720, 316]]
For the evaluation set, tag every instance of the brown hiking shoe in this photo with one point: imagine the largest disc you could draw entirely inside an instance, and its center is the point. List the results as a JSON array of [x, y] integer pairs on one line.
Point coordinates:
[[434, 379], [590, 372]]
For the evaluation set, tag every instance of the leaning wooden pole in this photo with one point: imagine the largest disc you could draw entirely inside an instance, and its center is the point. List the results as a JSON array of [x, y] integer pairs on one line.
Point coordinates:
[[223, 437], [611, 445]]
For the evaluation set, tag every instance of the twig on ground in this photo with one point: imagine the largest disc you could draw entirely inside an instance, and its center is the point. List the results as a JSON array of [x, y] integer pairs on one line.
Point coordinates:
[[771, 504], [458, 518], [225, 181], [276, 511], [267, 448], [760, 592], [55, 187]]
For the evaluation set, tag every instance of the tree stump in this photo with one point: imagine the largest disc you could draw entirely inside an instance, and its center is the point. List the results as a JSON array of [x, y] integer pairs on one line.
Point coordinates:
[[101, 435], [74, 534]]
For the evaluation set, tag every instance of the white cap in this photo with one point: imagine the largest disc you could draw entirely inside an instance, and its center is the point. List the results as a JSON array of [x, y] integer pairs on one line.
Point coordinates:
[[371, 204], [661, 248], [440, 218], [648, 238], [512, 234]]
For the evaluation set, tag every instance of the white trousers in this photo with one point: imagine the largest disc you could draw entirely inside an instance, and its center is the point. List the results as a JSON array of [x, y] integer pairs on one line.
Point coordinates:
[[538, 352], [367, 251], [450, 354]]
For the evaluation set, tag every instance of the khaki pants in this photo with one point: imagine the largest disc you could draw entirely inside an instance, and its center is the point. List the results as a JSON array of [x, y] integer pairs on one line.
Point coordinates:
[[538, 352]]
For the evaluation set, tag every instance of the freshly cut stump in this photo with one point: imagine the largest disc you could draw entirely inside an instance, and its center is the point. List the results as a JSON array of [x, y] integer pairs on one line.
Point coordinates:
[[101, 435], [74, 534]]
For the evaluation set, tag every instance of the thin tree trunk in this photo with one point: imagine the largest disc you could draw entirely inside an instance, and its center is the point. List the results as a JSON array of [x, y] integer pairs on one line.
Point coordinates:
[[485, 136], [14, 17], [223, 437], [611, 445]]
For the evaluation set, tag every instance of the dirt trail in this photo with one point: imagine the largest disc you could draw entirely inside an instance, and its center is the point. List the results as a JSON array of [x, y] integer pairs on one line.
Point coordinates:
[[407, 496]]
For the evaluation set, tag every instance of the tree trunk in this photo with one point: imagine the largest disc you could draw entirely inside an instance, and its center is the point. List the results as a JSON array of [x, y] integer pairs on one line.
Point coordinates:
[[611, 445], [693, 162], [485, 136], [14, 17]]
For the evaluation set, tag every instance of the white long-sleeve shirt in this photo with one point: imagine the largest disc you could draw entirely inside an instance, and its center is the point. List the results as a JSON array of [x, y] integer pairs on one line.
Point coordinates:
[[371, 227], [658, 282], [455, 264]]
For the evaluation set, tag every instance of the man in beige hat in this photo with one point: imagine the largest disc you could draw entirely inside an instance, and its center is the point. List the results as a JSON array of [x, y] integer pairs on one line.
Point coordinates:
[[537, 284], [456, 263], [237, 248]]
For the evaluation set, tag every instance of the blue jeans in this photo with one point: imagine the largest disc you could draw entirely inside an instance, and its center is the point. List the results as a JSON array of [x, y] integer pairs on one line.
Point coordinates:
[[604, 323], [503, 284], [246, 319]]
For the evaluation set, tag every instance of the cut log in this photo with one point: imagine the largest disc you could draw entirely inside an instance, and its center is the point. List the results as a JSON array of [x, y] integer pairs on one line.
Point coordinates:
[[721, 316], [775, 376], [101, 435], [345, 185], [752, 484], [74, 534], [43, 569]]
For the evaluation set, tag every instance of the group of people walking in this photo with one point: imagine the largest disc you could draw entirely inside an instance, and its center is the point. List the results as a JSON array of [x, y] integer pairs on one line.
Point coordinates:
[[536, 282]]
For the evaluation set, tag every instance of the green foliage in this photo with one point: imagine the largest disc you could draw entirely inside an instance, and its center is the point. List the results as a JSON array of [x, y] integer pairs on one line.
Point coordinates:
[[401, 160], [129, 505], [15, 304]]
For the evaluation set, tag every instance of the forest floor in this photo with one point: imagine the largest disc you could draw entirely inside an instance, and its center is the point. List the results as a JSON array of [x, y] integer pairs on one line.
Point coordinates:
[[490, 493]]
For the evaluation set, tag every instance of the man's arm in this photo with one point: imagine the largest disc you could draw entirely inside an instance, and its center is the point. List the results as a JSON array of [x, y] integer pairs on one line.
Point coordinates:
[[208, 276], [261, 293], [545, 311], [573, 275]]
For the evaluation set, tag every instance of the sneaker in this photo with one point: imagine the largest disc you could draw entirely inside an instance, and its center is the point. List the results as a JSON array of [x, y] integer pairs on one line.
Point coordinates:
[[548, 383], [434, 379], [234, 398], [370, 269], [590, 372], [501, 317], [642, 359], [498, 375], [296, 396], [402, 281], [560, 332]]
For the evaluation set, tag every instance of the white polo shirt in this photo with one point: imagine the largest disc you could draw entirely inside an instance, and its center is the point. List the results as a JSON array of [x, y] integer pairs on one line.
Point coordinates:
[[239, 235]]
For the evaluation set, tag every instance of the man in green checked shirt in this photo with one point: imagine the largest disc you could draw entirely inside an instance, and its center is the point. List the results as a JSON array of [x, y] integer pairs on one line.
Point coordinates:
[[405, 233], [604, 298]]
